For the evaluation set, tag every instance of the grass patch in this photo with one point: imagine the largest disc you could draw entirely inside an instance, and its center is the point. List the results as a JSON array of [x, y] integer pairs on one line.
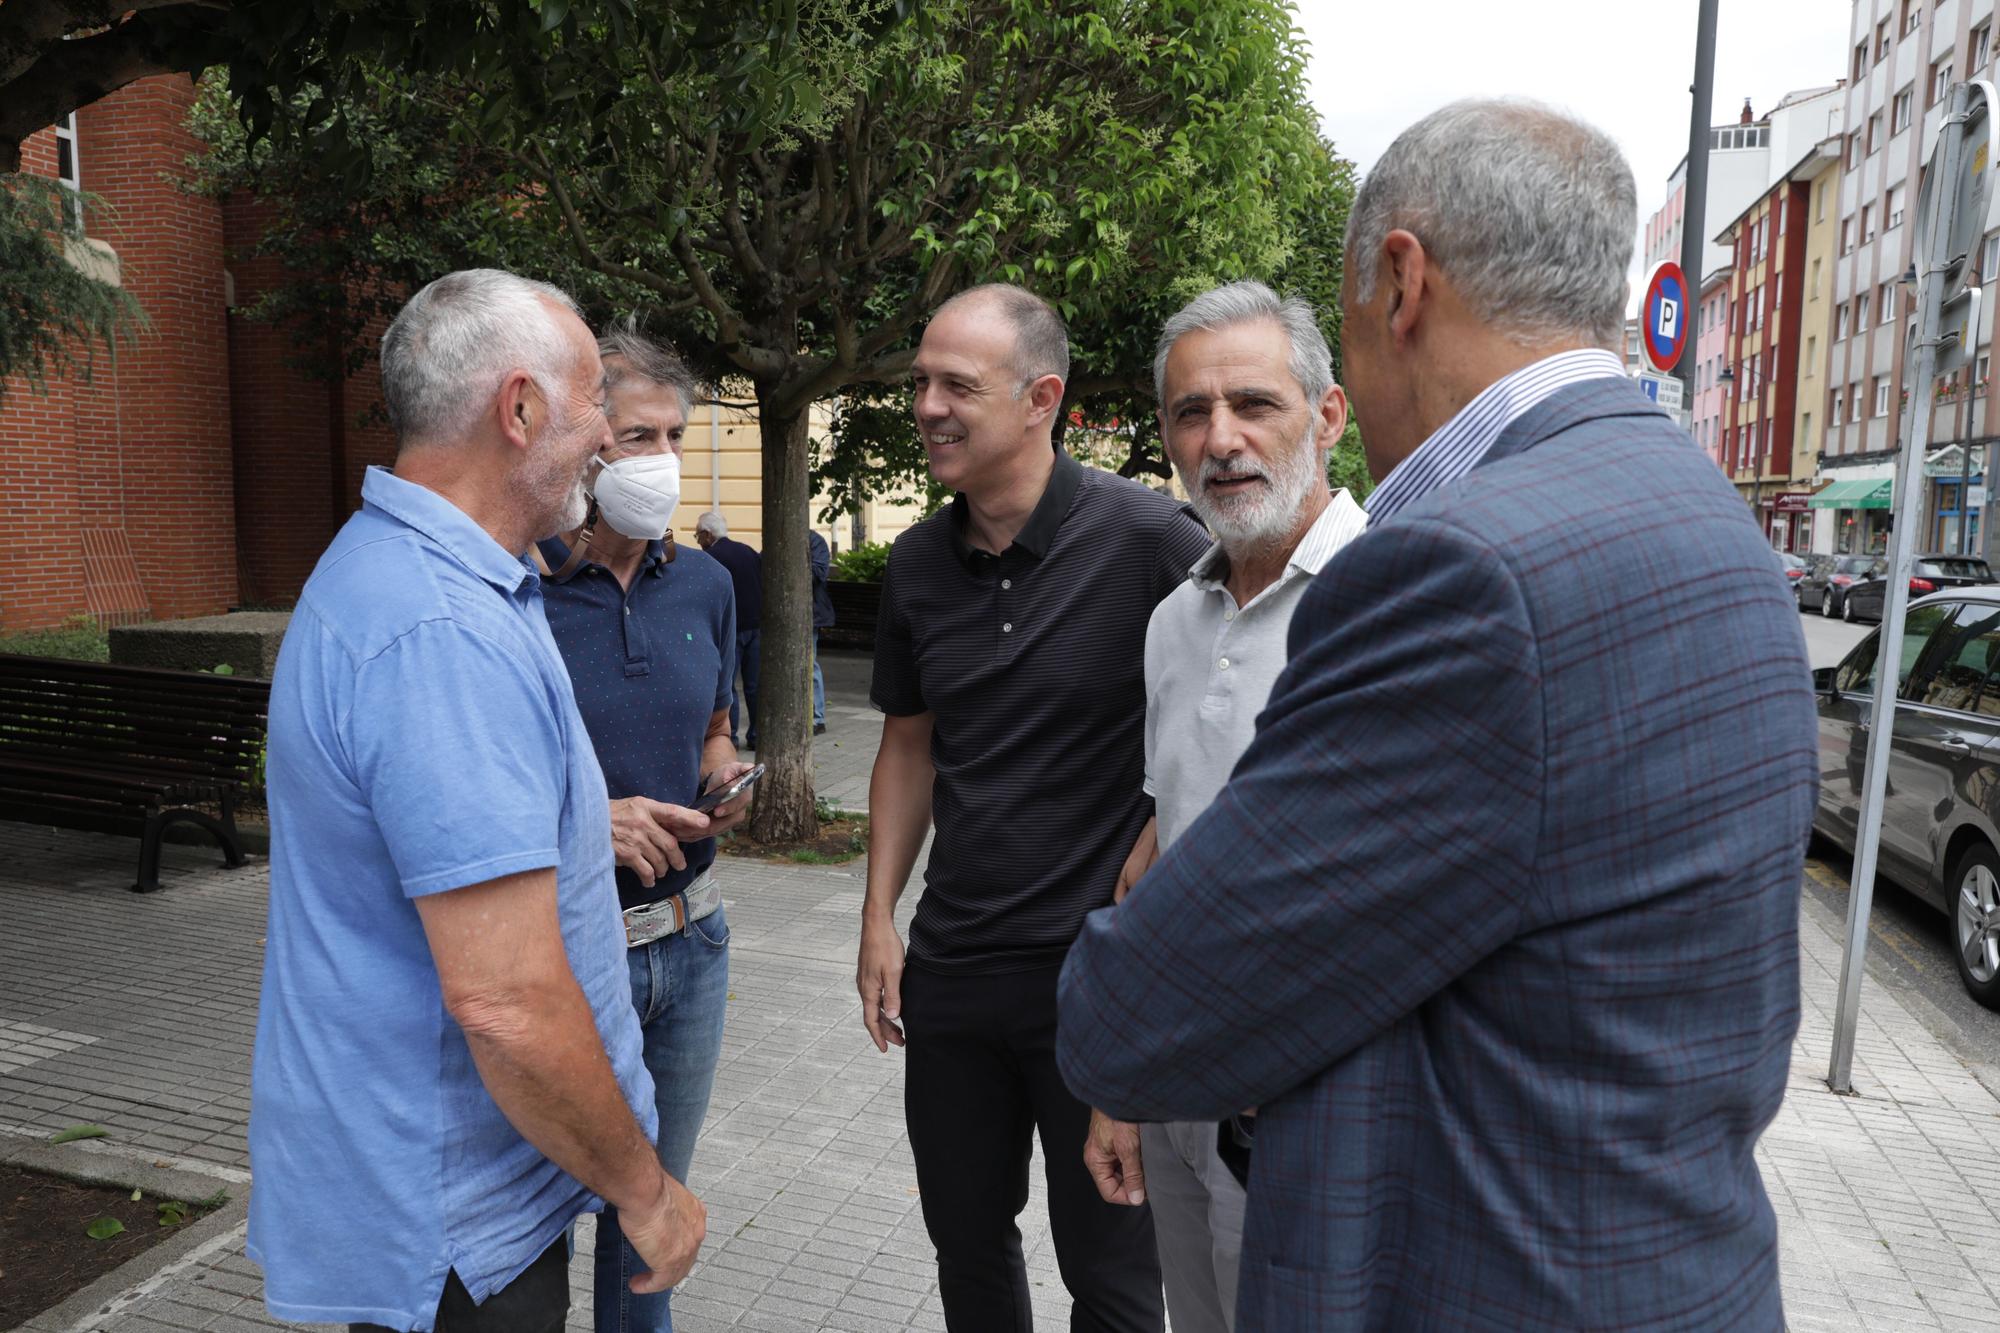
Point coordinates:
[[79, 639], [843, 836]]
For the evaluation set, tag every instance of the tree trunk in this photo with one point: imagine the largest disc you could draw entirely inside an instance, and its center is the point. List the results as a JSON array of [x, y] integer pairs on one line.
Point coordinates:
[[783, 810]]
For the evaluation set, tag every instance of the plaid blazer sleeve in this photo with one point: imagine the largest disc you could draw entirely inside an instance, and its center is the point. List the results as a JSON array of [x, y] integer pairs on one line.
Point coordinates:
[[1376, 840]]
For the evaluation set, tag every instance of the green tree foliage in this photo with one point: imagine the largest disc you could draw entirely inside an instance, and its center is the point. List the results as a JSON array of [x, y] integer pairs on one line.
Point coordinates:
[[791, 199], [53, 314]]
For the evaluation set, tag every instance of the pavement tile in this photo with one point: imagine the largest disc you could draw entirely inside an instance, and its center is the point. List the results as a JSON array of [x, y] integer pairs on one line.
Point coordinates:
[[1886, 1202]]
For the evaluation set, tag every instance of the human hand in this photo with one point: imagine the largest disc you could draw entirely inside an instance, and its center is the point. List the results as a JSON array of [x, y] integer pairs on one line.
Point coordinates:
[[731, 813], [879, 978], [1145, 851], [667, 1235], [647, 834], [1111, 1155]]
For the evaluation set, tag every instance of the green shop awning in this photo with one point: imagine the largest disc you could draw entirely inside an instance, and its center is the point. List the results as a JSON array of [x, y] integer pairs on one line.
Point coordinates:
[[1854, 495]]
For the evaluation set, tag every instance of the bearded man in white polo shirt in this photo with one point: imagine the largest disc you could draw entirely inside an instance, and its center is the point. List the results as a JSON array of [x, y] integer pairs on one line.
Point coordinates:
[[1248, 412]]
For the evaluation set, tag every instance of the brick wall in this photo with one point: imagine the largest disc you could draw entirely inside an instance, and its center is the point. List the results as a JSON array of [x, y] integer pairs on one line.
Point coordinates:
[[133, 467]]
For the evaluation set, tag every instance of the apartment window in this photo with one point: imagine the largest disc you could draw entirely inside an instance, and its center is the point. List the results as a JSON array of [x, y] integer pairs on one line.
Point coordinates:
[[1840, 321], [1860, 60], [1982, 48], [1882, 39], [1881, 396], [1885, 300], [1989, 259], [1846, 235], [1861, 312], [1805, 427], [1985, 364], [1940, 82], [1899, 111], [1812, 356], [68, 173], [1819, 214], [1898, 196], [1860, 403], [1913, 15], [1815, 281], [1835, 405], [1854, 150], [1874, 133], [1867, 225]]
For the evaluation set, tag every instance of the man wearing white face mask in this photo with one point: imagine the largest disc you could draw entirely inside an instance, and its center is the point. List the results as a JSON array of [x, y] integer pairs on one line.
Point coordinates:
[[648, 632]]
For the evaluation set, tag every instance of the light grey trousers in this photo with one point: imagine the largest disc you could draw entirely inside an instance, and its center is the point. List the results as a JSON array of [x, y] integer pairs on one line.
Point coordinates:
[[1197, 1223]]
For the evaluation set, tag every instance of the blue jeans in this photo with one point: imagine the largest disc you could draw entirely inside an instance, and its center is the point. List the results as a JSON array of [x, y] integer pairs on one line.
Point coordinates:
[[680, 986], [819, 685], [748, 643]]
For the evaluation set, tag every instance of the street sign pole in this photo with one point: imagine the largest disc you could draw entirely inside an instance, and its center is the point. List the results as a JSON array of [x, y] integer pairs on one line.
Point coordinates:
[[1951, 219], [1694, 211]]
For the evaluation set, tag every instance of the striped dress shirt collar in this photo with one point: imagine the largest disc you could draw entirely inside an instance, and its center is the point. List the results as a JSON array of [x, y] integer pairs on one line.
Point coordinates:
[[1460, 443]]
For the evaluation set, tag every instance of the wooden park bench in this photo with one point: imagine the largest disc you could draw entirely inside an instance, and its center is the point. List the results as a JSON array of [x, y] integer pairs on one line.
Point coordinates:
[[123, 749]]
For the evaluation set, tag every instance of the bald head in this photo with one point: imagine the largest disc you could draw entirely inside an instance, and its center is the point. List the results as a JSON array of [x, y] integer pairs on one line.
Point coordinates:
[[1041, 339]]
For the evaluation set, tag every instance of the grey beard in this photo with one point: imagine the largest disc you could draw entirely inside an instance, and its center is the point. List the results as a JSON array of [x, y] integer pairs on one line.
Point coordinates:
[[1269, 518]]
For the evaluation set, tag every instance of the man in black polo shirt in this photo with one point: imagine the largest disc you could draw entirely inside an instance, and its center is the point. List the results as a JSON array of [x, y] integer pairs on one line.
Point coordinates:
[[1009, 665]]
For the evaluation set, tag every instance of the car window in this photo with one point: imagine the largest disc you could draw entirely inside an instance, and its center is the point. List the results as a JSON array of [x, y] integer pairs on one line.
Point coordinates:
[[1967, 678], [1854, 564], [1955, 568], [1920, 626]]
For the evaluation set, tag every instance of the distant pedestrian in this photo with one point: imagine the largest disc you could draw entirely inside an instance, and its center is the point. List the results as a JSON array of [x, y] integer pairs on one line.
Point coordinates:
[[746, 575], [820, 558]]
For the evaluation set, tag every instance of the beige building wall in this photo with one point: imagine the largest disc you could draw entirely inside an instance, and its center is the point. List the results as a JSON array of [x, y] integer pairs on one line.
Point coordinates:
[[1816, 323], [722, 466]]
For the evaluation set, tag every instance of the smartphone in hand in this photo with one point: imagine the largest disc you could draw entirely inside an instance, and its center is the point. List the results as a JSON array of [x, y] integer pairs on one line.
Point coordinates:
[[708, 800]]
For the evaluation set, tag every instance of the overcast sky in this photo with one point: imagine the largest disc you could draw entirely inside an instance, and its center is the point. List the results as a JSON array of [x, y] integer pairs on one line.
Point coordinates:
[[1624, 65]]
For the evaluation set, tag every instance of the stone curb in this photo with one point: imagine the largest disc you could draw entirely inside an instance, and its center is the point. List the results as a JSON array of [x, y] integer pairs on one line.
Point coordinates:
[[137, 1276]]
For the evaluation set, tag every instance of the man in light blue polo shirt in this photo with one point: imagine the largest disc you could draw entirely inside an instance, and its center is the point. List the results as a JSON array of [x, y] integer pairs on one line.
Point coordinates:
[[447, 1066]]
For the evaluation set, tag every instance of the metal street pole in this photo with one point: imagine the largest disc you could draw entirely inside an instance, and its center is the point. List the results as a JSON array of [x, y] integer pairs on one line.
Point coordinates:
[[1935, 261], [1694, 213]]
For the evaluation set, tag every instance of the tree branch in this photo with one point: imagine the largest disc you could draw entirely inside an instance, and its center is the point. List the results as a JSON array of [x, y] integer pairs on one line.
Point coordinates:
[[70, 74]]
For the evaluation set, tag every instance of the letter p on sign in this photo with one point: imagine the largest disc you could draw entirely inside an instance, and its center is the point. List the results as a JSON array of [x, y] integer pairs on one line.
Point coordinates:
[[1670, 319]]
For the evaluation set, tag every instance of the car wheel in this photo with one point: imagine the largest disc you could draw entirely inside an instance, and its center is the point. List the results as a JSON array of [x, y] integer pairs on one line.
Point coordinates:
[[1847, 610], [1975, 921], [1826, 604]]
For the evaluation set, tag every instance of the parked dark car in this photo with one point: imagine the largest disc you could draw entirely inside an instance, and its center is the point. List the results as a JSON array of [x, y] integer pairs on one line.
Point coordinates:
[[1824, 585], [1793, 567], [1933, 573], [1941, 816]]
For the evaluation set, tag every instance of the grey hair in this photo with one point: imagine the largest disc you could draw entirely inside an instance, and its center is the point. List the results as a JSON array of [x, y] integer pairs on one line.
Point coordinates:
[[630, 355], [1041, 339], [1530, 212], [447, 351], [713, 523], [1247, 302]]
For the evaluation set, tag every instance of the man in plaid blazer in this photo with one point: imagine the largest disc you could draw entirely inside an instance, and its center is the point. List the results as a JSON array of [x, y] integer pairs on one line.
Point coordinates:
[[1495, 922]]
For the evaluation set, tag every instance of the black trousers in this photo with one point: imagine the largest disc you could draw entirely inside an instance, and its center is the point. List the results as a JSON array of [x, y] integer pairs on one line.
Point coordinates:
[[535, 1302], [981, 1081]]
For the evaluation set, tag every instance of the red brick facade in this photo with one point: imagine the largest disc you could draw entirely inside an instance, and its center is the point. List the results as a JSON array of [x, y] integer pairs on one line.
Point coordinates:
[[196, 471]]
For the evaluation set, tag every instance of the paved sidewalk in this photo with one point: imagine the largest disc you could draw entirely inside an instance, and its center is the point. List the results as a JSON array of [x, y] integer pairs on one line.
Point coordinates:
[[136, 1013]]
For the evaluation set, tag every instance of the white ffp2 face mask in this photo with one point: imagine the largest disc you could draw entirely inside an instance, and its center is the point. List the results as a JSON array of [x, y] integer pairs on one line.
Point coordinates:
[[637, 496]]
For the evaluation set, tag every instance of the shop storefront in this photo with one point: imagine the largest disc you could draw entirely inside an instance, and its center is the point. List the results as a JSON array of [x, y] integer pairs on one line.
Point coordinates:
[[1788, 518], [1857, 514]]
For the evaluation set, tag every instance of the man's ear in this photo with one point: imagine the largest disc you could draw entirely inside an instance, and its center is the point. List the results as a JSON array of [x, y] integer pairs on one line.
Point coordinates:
[[520, 408], [1044, 399], [1405, 268], [1333, 415]]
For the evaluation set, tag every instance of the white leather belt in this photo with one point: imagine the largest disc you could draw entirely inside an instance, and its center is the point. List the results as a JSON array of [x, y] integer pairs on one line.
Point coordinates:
[[673, 914]]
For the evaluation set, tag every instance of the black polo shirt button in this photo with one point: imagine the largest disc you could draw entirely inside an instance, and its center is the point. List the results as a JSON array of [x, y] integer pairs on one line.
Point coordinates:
[[1007, 628], [1006, 583]]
